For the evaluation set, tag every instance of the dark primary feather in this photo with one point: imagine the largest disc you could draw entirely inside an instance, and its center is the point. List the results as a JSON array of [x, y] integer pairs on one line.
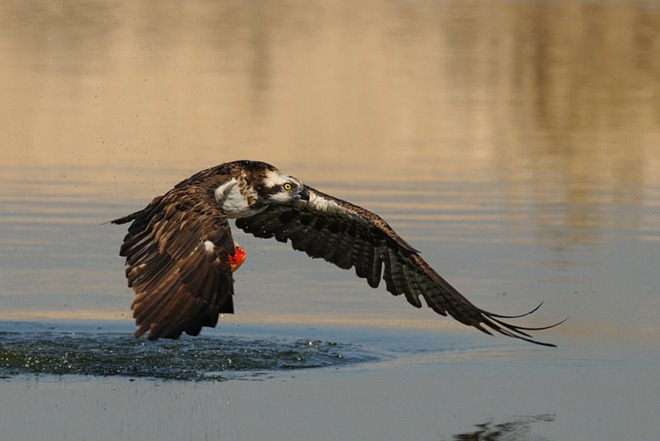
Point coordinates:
[[350, 236], [179, 286]]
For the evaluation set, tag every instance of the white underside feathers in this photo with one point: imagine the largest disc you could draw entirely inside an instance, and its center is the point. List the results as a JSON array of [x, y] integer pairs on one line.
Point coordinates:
[[232, 201]]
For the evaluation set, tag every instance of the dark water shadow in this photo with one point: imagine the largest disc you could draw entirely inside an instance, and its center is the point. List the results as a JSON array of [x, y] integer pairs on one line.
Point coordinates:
[[46, 351], [519, 429]]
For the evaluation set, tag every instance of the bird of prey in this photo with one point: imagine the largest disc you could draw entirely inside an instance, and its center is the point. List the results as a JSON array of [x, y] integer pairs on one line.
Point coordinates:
[[180, 254]]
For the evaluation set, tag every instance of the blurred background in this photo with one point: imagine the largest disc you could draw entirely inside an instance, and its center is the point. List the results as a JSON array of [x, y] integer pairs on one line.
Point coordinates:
[[517, 144]]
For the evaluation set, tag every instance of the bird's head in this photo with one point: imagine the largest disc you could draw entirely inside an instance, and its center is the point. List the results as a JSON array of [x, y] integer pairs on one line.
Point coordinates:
[[254, 186], [277, 187]]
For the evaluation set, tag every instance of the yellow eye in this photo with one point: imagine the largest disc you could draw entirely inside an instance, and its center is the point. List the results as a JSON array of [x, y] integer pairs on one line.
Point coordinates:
[[287, 186]]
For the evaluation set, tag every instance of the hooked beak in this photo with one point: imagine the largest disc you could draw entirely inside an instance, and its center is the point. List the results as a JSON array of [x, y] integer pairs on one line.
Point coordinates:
[[304, 194]]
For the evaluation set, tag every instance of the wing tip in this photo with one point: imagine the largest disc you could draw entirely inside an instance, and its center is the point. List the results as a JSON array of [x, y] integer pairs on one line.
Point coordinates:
[[495, 323]]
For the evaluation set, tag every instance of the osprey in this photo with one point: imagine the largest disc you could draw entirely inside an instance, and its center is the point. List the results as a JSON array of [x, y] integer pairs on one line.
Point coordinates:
[[180, 254]]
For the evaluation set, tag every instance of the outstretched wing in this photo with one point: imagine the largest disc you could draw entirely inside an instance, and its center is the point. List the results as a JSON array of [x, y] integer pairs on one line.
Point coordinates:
[[176, 262], [350, 236]]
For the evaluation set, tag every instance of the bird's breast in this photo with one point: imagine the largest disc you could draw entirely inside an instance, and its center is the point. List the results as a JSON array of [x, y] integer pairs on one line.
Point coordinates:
[[237, 200]]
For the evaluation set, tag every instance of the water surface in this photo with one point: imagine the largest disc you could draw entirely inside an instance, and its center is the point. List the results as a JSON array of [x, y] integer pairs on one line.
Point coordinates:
[[514, 143]]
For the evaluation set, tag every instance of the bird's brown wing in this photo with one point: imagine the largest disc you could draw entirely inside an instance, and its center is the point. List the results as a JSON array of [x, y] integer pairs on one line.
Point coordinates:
[[350, 236], [176, 262]]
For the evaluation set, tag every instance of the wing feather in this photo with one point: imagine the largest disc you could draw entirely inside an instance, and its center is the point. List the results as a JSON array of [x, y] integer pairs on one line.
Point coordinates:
[[351, 236], [181, 284]]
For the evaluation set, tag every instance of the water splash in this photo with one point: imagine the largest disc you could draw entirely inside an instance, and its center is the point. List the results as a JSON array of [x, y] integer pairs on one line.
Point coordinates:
[[91, 353]]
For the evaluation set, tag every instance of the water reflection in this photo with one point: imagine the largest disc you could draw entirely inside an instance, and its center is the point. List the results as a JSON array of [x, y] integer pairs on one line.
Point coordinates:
[[519, 430], [521, 84]]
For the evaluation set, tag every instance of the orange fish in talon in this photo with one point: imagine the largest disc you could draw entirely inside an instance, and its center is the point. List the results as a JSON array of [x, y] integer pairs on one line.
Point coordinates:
[[237, 259]]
